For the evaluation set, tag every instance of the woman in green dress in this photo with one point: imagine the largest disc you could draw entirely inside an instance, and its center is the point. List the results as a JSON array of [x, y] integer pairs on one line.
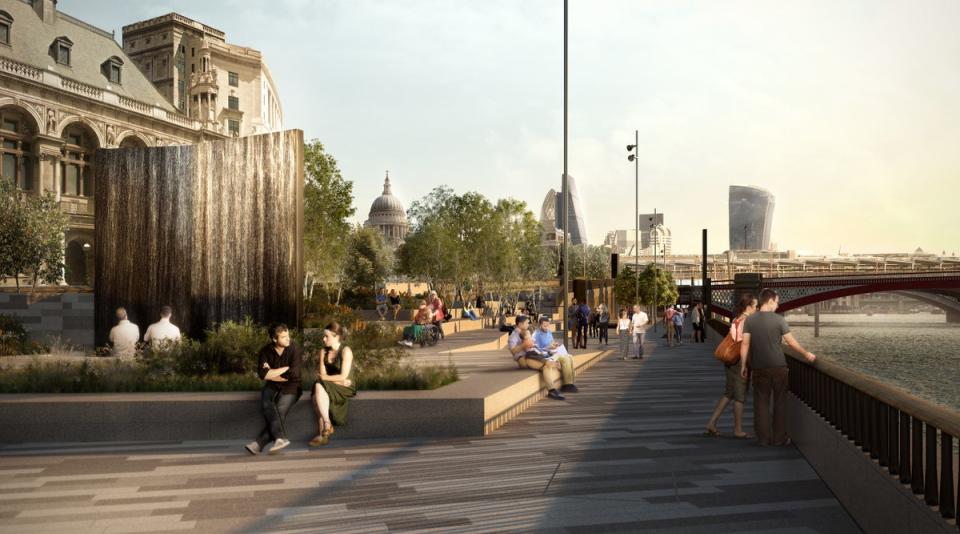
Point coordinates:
[[335, 385]]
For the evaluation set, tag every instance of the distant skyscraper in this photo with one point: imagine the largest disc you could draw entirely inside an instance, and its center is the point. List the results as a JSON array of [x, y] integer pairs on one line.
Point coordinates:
[[751, 215], [550, 215], [648, 221]]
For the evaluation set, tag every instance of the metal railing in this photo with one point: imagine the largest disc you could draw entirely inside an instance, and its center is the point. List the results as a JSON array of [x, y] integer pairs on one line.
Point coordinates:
[[912, 438]]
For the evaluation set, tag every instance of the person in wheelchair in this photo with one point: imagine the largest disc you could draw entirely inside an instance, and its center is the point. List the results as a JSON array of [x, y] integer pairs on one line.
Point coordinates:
[[423, 318]]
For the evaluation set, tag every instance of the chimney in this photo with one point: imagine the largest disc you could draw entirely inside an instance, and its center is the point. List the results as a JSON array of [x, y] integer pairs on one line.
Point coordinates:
[[46, 10]]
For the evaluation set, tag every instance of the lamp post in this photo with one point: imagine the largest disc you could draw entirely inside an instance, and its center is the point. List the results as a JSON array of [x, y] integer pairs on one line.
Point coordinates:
[[656, 268], [565, 278], [633, 150]]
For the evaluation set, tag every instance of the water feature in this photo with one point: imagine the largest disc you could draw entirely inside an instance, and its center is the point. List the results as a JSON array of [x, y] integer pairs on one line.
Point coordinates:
[[215, 230]]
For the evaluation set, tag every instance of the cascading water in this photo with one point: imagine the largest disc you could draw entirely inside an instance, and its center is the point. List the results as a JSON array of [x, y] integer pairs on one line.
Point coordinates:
[[214, 230]]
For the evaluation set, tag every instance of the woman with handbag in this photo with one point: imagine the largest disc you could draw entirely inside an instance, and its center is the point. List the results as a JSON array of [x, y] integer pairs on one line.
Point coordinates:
[[728, 352]]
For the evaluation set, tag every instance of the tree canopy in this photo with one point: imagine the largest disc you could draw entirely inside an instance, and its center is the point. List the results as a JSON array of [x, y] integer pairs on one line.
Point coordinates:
[[328, 203], [31, 236]]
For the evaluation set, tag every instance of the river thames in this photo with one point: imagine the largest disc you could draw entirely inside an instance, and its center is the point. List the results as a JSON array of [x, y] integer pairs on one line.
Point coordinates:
[[919, 353]]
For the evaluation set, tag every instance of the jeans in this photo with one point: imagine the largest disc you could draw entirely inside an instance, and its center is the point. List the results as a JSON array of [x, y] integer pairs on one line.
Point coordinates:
[[581, 337], [275, 406], [679, 330], [604, 333], [638, 340], [770, 384]]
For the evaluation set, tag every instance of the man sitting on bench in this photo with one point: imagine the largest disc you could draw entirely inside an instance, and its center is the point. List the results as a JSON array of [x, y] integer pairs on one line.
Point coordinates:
[[543, 340], [528, 356]]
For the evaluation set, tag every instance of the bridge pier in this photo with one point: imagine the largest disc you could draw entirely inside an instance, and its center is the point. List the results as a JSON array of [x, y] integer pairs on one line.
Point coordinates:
[[953, 316], [816, 319]]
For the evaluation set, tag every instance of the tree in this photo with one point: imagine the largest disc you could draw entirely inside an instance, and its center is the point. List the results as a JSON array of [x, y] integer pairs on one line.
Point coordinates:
[[371, 261], [589, 261], [465, 240], [625, 287], [327, 204], [31, 236]]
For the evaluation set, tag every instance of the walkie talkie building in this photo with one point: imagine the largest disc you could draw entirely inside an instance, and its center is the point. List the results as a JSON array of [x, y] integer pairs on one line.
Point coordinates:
[[751, 215]]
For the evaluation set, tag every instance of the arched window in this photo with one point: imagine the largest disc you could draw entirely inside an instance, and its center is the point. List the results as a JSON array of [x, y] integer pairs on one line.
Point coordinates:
[[17, 160], [75, 272], [76, 165]]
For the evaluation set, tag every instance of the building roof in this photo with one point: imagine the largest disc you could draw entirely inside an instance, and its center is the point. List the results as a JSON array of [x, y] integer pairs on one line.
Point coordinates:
[[30, 40]]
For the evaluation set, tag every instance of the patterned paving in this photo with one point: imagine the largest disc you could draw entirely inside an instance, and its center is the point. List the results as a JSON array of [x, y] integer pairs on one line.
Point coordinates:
[[623, 455]]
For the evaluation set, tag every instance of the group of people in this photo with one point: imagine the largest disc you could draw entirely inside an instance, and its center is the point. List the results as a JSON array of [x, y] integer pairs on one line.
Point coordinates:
[[388, 302], [431, 313], [588, 322], [759, 330], [280, 366], [125, 336], [673, 322]]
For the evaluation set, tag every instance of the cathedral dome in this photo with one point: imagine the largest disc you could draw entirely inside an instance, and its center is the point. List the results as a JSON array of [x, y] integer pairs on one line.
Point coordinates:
[[388, 216], [387, 209]]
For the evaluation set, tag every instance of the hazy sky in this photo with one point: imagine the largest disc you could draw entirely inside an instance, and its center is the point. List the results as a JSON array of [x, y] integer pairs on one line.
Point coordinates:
[[849, 112]]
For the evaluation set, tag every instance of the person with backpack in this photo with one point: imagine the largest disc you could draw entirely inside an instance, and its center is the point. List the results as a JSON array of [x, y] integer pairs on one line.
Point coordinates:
[[735, 388]]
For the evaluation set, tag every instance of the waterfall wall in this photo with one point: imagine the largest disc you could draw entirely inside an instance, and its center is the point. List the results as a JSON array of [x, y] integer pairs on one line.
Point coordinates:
[[215, 230]]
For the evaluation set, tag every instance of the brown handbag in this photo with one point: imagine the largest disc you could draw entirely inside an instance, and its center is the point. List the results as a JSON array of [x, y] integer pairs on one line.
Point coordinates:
[[728, 351]]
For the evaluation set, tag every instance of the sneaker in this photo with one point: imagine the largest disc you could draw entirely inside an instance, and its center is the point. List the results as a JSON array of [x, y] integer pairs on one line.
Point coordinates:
[[569, 388], [253, 448], [555, 395], [278, 445]]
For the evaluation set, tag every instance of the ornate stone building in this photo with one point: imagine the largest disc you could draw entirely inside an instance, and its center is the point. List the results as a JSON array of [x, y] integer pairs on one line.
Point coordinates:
[[66, 89], [388, 216], [227, 87]]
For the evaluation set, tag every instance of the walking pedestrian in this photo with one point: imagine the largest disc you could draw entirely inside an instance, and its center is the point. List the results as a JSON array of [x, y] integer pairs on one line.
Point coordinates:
[[603, 324], [678, 324], [624, 329], [639, 322]]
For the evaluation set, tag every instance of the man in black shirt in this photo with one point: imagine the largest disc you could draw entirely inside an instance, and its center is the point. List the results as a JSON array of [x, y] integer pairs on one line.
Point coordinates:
[[279, 364]]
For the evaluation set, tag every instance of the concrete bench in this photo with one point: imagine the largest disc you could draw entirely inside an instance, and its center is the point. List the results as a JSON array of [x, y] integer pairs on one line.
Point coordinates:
[[474, 406]]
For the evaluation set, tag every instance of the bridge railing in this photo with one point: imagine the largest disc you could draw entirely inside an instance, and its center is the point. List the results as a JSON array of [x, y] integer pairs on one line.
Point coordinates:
[[912, 438]]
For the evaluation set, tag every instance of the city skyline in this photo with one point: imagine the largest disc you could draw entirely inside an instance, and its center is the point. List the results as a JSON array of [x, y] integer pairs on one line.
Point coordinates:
[[845, 113]]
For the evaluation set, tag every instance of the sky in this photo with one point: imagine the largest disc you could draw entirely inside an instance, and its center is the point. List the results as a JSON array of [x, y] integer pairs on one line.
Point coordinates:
[[848, 112]]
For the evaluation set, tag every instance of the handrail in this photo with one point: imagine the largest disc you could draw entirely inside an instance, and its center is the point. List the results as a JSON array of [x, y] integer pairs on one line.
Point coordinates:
[[911, 437], [941, 417]]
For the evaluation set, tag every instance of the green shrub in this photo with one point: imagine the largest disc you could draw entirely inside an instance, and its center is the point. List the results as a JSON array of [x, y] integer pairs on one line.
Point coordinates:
[[408, 376], [226, 361], [15, 340]]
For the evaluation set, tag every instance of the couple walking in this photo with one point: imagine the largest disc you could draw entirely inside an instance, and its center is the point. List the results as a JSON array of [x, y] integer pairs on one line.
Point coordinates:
[[759, 330], [280, 364]]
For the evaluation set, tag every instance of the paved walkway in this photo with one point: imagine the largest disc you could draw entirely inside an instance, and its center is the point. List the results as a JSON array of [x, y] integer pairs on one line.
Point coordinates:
[[624, 454]]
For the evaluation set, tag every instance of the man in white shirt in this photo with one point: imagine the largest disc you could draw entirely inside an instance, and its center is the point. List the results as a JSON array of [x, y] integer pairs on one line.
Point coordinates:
[[162, 329], [639, 322], [124, 336]]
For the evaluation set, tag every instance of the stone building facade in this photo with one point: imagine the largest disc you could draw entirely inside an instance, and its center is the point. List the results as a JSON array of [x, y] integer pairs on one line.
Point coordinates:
[[226, 87], [67, 88]]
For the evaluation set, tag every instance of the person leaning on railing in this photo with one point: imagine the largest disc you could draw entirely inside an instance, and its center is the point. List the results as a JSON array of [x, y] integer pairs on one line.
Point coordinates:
[[761, 352]]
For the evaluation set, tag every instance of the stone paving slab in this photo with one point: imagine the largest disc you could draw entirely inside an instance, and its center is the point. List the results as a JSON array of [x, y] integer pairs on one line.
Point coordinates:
[[626, 454]]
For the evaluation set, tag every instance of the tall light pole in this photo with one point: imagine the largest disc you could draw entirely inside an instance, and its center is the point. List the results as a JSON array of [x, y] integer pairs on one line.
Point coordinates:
[[634, 157], [565, 251], [656, 274]]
